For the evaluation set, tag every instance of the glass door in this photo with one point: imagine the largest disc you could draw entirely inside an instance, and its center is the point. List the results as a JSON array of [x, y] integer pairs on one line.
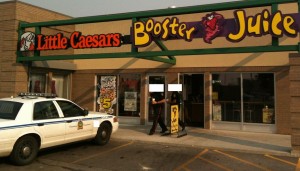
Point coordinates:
[[193, 99]]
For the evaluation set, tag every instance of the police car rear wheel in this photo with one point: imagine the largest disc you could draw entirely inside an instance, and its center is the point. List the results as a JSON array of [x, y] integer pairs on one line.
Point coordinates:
[[103, 134], [25, 150]]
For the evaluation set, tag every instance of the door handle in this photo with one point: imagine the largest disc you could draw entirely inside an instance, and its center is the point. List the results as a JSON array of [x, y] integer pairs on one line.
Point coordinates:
[[40, 124], [69, 121]]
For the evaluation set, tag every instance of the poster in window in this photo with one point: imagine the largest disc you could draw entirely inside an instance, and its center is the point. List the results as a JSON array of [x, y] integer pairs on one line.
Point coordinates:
[[217, 110], [107, 94], [267, 115], [130, 102]]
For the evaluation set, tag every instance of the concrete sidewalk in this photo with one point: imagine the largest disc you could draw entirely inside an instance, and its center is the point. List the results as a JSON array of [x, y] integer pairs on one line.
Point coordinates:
[[261, 143]]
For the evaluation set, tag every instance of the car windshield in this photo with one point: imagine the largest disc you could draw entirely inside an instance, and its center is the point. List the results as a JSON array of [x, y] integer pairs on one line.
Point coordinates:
[[9, 110]]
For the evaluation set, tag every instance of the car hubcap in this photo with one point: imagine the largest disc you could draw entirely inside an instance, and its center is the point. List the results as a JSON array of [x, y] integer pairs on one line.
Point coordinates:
[[26, 151], [103, 134]]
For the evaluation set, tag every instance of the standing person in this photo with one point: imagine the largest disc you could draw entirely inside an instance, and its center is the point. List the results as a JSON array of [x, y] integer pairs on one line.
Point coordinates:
[[157, 102], [175, 100]]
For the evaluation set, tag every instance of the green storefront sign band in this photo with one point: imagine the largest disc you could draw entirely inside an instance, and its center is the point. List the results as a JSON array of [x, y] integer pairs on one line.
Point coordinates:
[[145, 30]]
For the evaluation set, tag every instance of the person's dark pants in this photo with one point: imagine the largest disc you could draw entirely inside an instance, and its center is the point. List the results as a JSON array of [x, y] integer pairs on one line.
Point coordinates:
[[158, 119]]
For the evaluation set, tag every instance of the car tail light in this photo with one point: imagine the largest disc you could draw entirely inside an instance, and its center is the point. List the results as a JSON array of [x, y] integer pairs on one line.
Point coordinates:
[[115, 119]]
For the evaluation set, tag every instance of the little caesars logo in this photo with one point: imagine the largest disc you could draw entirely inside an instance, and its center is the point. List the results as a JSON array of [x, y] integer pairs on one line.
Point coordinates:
[[27, 42]]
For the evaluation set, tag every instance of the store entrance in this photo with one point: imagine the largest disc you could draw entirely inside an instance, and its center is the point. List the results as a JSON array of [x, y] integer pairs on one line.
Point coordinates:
[[193, 99]]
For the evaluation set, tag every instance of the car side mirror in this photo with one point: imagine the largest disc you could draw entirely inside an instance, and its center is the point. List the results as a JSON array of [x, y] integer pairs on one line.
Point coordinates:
[[86, 112]]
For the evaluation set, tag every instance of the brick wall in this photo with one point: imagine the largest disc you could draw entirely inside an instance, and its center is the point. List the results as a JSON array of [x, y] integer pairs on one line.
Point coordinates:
[[83, 89], [14, 76], [295, 101], [283, 101]]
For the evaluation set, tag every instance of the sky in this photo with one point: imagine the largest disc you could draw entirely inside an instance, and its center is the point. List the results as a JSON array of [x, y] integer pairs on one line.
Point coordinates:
[[83, 8]]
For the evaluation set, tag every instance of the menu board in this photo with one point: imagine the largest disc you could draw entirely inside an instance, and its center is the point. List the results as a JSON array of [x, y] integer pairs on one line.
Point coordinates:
[[217, 111], [130, 102]]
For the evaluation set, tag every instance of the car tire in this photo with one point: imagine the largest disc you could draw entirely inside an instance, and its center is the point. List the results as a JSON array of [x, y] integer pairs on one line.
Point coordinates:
[[25, 151], [103, 134]]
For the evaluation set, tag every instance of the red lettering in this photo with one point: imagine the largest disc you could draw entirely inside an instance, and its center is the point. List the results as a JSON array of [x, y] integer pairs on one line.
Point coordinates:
[[88, 41], [81, 42], [95, 41], [116, 40], [64, 42], [102, 40], [78, 41], [109, 39], [40, 40], [74, 40]]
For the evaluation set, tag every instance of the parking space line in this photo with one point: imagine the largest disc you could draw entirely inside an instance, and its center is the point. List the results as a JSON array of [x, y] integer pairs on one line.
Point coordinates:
[[97, 154], [281, 160], [298, 165], [241, 160], [191, 160], [215, 164], [186, 169]]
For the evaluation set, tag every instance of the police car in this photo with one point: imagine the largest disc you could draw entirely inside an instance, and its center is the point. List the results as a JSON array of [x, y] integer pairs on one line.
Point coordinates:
[[31, 122]]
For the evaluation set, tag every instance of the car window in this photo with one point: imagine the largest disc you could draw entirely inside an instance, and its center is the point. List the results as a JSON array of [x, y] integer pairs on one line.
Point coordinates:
[[9, 110], [45, 110], [70, 109]]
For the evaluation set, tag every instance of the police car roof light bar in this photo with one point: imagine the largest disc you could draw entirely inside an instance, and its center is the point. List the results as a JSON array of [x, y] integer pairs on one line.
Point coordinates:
[[46, 95]]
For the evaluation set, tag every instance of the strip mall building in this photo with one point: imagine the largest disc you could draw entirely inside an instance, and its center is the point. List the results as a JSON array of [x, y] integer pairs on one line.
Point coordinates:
[[238, 63]]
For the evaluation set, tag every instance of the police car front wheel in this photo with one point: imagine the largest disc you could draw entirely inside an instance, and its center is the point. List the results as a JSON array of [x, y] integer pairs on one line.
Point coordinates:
[[25, 150]]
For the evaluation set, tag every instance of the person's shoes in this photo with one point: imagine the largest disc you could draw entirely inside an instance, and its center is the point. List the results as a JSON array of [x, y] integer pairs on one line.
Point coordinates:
[[163, 131], [151, 133], [183, 127]]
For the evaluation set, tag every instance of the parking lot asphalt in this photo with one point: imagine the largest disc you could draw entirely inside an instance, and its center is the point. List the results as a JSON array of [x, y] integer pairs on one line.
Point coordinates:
[[260, 143]]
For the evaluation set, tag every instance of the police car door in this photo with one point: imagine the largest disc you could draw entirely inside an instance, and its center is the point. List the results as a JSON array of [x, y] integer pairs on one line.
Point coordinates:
[[48, 123], [78, 126]]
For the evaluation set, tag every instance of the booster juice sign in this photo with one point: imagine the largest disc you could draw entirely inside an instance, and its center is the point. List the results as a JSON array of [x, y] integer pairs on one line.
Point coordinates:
[[30, 41], [215, 25]]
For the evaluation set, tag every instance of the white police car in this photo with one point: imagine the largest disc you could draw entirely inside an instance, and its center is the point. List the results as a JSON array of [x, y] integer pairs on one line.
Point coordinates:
[[31, 122]]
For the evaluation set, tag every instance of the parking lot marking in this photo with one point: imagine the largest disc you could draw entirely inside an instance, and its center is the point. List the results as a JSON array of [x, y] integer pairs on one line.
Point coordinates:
[[215, 164], [298, 165], [284, 161], [186, 169], [97, 154], [241, 160], [191, 160]]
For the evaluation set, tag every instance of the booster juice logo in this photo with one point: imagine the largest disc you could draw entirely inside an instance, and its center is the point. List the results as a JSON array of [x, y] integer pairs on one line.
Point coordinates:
[[29, 41], [215, 25]]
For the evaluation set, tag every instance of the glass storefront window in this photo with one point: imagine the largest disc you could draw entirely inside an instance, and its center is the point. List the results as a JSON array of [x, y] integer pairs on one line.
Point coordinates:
[[59, 84], [37, 83], [226, 96], [122, 100], [258, 97], [129, 95], [255, 91]]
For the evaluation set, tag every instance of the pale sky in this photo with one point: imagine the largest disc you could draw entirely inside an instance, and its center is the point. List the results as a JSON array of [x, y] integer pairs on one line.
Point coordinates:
[[82, 8]]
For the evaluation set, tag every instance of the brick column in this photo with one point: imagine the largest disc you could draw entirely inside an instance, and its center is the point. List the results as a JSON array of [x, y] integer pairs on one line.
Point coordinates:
[[207, 100], [143, 100], [295, 101]]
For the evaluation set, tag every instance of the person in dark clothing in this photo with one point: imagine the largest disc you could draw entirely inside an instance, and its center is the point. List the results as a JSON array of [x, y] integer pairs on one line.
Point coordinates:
[[157, 102], [175, 100]]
